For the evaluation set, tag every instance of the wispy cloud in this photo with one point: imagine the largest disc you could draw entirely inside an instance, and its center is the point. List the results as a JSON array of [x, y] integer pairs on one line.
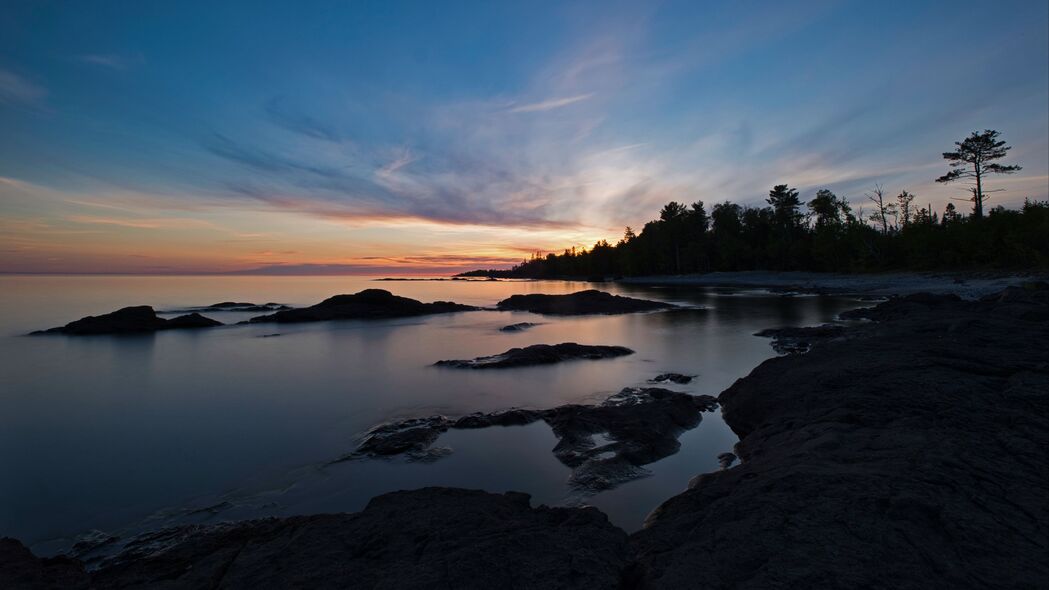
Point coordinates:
[[15, 89], [280, 113], [549, 105], [111, 60]]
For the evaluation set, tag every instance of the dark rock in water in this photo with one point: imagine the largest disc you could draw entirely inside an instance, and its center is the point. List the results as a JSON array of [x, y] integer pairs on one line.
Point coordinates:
[[539, 354], [580, 303], [641, 426], [366, 305], [910, 454], [131, 320], [605, 445], [241, 306], [519, 327], [191, 320], [406, 436], [799, 340], [672, 378], [725, 460], [427, 538]]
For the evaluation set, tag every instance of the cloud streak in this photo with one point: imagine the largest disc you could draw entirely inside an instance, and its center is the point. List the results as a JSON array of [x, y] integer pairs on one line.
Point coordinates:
[[549, 105], [15, 89]]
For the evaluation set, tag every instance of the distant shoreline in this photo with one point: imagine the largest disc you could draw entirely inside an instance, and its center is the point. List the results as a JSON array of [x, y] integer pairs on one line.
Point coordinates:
[[968, 285]]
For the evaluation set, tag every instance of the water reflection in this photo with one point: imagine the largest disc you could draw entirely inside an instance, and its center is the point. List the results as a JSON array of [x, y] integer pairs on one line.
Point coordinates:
[[118, 433]]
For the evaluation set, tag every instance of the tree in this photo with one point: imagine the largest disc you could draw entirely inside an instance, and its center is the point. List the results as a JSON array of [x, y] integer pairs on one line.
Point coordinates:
[[973, 160], [882, 210], [903, 204], [828, 210], [785, 206], [950, 214], [672, 211]]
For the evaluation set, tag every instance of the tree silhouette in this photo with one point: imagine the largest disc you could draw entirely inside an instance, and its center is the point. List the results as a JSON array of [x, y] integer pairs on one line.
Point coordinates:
[[903, 204], [973, 160], [950, 214], [785, 205], [882, 209]]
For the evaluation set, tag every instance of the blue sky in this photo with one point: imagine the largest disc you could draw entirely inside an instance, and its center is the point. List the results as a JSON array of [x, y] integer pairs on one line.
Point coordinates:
[[173, 137]]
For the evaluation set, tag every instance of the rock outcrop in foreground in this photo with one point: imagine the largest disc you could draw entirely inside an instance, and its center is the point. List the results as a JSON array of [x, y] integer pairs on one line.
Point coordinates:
[[131, 320], [605, 444], [539, 354], [911, 454], [428, 538], [368, 304], [590, 301]]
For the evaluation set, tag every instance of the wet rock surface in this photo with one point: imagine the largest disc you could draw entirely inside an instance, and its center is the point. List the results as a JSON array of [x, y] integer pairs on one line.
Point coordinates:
[[672, 378], [605, 444], [365, 305], [799, 340], [131, 320], [539, 354], [518, 327], [909, 455], [591, 301], [427, 538]]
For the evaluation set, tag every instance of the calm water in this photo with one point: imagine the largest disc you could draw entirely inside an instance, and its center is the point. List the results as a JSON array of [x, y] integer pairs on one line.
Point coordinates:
[[122, 434]]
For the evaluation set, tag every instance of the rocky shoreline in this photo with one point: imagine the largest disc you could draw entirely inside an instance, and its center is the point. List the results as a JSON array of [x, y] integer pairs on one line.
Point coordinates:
[[905, 452]]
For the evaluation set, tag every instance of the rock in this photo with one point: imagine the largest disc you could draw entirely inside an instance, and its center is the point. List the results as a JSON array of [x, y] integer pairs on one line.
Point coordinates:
[[19, 568], [725, 460], [519, 327], [412, 435], [191, 320], [640, 426], [539, 354], [131, 320], [243, 306], [365, 305], [897, 307], [579, 303], [799, 340], [427, 538], [910, 454], [672, 378]]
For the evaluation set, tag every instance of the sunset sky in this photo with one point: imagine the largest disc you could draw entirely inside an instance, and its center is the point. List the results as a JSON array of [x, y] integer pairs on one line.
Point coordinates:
[[434, 137]]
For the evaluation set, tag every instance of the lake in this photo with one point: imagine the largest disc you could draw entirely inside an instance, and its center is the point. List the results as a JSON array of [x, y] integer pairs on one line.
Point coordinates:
[[131, 433]]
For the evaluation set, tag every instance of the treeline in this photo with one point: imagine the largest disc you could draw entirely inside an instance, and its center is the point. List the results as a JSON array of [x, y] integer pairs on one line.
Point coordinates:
[[824, 236]]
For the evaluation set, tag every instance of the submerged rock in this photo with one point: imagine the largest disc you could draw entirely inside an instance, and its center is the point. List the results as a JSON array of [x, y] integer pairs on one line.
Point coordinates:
[[672, 378], [427, 538], [605, 444], [799, 340], [365, 305], [519, 327], [539, 354], [590, 301], [131, 320]]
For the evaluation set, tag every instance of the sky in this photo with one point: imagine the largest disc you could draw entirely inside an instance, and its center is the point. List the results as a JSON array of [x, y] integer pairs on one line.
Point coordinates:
[[435, 137]]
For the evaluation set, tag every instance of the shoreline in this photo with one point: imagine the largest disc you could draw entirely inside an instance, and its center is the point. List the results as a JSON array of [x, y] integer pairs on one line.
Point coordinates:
[[905, 451], [967, 285]]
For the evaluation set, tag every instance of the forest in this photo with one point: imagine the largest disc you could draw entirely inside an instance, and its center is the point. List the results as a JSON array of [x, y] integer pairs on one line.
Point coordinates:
[[824, 233]]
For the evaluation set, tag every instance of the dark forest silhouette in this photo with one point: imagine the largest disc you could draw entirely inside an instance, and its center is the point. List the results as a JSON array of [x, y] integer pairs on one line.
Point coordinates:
[[824, 233]]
